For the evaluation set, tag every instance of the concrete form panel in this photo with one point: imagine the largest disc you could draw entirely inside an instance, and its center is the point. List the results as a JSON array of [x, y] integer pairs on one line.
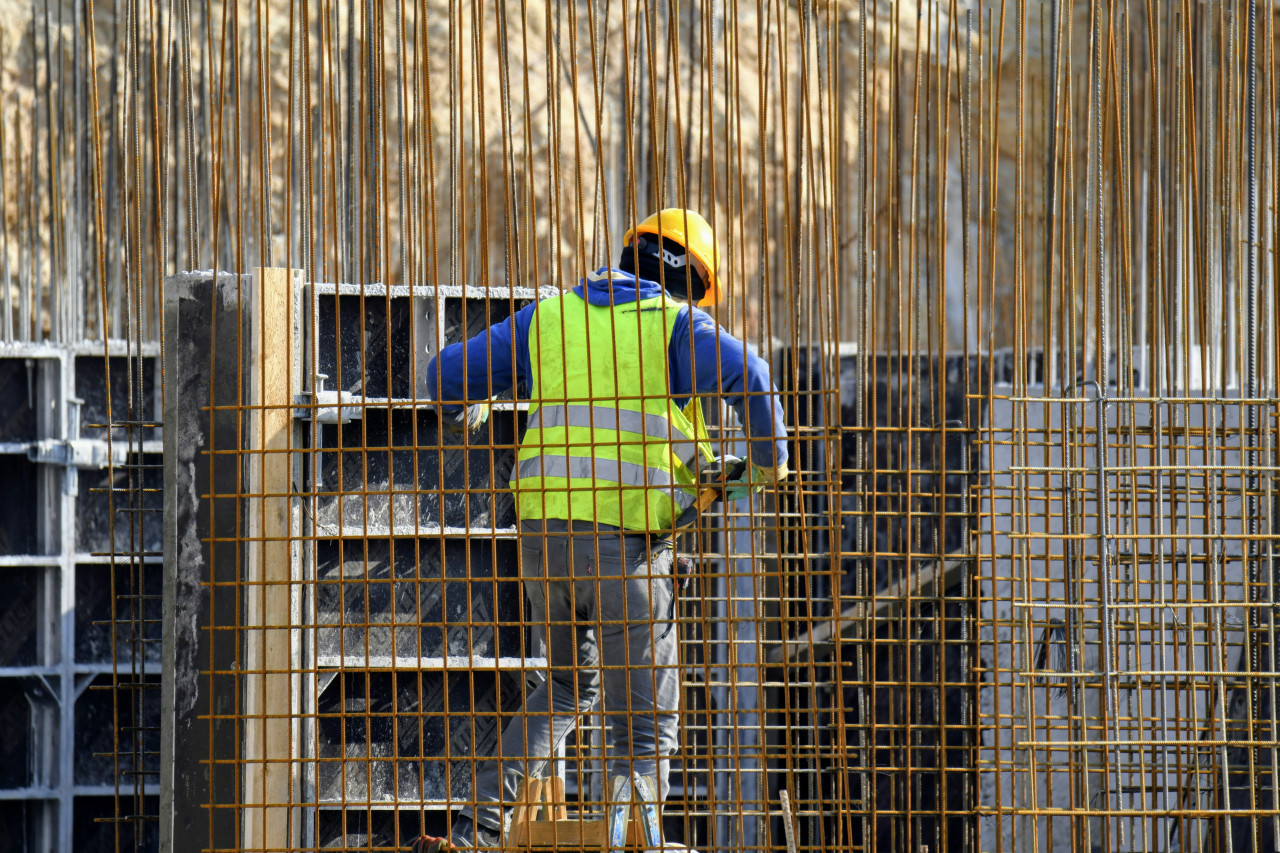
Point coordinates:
[[21, 521], [97, 831], [16, 748], [95, 634], [107, 738], [382, 471], [127, 379], [23, 609], [407, 735], [136, 523], [18, 391], [27, 824], [364, 585], [54, 722]]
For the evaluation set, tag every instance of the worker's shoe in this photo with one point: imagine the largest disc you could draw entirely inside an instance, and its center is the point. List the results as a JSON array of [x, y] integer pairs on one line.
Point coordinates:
[[465, 836]]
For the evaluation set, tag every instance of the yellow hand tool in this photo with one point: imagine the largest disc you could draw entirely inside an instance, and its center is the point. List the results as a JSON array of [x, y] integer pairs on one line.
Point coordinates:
[[713, 480]]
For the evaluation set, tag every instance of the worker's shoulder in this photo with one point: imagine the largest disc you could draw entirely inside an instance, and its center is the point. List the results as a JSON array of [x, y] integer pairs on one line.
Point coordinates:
[[700, 322], [549, 299]]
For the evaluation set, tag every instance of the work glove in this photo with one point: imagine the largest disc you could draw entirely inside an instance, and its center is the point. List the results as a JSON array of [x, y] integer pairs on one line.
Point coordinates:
[[469, 419], [753, 479]]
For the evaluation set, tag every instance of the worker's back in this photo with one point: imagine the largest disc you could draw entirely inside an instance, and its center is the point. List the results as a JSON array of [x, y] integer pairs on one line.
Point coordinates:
[[605, 442]]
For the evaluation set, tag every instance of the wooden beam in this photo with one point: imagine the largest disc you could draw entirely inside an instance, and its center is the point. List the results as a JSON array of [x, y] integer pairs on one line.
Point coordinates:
[[271, 609], [884, 604]]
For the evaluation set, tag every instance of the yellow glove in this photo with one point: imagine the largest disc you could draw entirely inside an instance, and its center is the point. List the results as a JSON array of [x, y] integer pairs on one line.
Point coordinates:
[[766, 476], [469, 419]]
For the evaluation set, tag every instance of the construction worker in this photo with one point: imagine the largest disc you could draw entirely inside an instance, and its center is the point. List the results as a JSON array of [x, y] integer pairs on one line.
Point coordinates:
[[609, 459]]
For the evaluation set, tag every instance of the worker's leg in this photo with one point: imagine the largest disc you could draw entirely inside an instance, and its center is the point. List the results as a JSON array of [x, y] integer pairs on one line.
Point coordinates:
[[531, 739], [638, 645]]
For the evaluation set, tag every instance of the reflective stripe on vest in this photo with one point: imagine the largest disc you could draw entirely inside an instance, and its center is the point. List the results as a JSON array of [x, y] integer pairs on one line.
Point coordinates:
[[604, 471], [619, 420]]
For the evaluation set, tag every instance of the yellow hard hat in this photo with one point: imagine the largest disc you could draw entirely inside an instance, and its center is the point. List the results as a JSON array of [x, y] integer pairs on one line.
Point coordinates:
[[694, 233]]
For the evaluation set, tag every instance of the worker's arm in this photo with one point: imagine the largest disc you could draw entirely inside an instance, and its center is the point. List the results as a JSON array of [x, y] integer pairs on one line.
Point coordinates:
[[720, 364], [483, 366]]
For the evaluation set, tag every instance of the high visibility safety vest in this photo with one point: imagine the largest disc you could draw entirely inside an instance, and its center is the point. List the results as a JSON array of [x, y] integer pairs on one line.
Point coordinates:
[[605, 442]]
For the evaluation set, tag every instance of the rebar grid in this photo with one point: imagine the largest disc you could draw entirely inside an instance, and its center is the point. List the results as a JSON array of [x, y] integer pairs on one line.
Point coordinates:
[[406, 642], [1013, 266]]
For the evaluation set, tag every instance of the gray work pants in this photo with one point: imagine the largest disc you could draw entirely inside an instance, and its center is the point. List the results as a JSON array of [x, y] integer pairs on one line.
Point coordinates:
[[608, 605]]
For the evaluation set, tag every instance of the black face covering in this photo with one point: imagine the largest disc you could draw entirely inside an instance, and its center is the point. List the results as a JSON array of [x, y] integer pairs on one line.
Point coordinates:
[[680, 282]]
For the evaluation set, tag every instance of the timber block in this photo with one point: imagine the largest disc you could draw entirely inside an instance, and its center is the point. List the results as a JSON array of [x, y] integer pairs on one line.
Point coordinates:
[[541, 820]]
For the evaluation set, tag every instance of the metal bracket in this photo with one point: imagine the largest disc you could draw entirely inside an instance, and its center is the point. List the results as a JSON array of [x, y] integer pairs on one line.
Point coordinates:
[[83, 681], [326, 407], [619, 813], [38, 689], [74, 452]]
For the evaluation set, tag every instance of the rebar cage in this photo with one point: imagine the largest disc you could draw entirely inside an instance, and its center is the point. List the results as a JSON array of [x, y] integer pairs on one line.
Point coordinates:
[[1012, 266]]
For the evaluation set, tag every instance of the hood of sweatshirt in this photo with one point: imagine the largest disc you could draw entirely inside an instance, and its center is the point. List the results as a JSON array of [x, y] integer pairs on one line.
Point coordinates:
[[597, 288]]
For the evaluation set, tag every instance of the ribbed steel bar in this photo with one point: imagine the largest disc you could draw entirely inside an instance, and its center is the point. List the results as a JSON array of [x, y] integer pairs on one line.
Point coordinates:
[[975, 618]]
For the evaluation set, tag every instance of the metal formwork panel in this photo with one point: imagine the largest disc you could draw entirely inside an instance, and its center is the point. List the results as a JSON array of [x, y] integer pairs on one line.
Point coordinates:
[[417, 599], [81, 624]]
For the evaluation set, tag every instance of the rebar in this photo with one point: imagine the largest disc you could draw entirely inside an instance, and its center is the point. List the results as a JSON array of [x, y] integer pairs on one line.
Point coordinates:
[[973, 619]]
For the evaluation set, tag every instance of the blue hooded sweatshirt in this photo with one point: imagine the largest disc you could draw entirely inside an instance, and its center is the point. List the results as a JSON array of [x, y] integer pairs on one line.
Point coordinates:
[[716, 364]]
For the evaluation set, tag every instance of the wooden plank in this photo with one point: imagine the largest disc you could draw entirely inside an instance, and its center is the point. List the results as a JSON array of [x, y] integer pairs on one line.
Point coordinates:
[[635, 827], [567, 833], [584, 834], [558, 811], [526, 809], [518, 833], [534, 797], [272, 654]]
